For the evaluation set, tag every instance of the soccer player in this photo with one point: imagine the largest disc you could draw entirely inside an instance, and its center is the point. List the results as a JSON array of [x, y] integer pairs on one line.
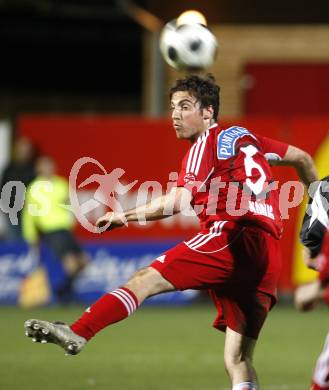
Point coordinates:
[[226, 177], [315, 237]]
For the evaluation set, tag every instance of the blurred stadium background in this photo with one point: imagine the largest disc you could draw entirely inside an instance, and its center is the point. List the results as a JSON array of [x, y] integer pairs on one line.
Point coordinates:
[[85, 78]]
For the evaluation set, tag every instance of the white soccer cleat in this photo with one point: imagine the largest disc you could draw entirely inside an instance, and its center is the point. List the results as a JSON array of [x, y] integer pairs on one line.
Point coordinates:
[[56, 333]]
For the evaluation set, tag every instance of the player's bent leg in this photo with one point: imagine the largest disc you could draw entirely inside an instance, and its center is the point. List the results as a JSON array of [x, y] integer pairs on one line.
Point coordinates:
[[238, 355], [110, 308], [147, 282]]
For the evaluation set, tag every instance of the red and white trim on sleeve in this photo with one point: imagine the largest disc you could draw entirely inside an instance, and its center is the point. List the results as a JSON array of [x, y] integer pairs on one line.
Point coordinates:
[[127, 300], [195, 154]]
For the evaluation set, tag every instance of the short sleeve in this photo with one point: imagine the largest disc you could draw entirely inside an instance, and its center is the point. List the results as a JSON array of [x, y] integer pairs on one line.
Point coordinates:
[[273, 149], [197, 164]]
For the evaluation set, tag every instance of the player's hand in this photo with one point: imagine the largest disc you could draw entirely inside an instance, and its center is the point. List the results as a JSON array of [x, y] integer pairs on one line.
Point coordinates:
[[110, 221]]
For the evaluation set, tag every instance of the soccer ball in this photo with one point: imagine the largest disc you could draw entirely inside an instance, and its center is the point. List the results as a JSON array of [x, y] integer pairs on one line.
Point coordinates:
[[188, 46]]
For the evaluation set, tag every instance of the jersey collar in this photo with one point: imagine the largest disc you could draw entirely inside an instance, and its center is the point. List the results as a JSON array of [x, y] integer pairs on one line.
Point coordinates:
[[200, 137]]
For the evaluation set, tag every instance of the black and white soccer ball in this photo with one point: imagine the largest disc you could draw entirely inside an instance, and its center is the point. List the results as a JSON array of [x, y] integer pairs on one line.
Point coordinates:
[[188, 46]]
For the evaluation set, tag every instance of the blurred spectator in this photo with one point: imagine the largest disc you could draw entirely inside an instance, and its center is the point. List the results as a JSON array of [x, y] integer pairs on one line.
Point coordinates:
[[21, 169], [45, 218]]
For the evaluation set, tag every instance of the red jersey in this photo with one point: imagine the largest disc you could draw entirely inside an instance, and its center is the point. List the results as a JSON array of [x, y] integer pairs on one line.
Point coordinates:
[[229, 177]]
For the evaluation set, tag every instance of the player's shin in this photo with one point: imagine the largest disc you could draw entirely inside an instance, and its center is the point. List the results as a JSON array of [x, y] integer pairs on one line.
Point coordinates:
[[110, 308]]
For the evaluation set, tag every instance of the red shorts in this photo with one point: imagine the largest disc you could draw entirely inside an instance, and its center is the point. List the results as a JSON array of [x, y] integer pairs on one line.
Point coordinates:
[[240, 265]]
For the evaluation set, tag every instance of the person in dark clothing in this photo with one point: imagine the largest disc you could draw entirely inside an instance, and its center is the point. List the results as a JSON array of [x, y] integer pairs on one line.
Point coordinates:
[[20, 169]]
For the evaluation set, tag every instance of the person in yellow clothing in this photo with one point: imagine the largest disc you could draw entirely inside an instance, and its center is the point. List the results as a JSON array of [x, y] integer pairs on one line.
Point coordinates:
[[44, 218]]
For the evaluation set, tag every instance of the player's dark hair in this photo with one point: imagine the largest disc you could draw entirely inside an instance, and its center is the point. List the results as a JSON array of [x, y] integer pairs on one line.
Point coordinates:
[[204, 88]]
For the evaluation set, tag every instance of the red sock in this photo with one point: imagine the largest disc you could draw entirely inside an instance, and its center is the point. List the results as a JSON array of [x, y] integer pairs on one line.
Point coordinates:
[[110, 308]]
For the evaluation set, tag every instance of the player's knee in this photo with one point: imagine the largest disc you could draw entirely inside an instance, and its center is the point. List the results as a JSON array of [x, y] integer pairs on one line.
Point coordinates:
[[234, 361], [138, 276], [147, 281], [229, 362]]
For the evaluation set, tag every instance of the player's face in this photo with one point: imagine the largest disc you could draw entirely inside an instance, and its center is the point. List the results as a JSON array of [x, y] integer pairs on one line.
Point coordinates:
[[189, 120]]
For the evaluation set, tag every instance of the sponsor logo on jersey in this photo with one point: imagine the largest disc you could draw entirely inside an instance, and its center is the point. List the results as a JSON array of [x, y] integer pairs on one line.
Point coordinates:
[[226, 141]]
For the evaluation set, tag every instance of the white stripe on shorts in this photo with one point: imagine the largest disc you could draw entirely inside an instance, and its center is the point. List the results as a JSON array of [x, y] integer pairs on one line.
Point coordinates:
[[202, 239], [195, 240]]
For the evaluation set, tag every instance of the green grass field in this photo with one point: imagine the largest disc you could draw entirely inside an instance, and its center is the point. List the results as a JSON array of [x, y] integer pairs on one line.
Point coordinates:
[[158, 349]]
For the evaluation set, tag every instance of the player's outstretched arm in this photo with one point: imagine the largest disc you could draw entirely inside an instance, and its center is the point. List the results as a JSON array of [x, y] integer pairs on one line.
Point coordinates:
[[164, 206], [302, 162]]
